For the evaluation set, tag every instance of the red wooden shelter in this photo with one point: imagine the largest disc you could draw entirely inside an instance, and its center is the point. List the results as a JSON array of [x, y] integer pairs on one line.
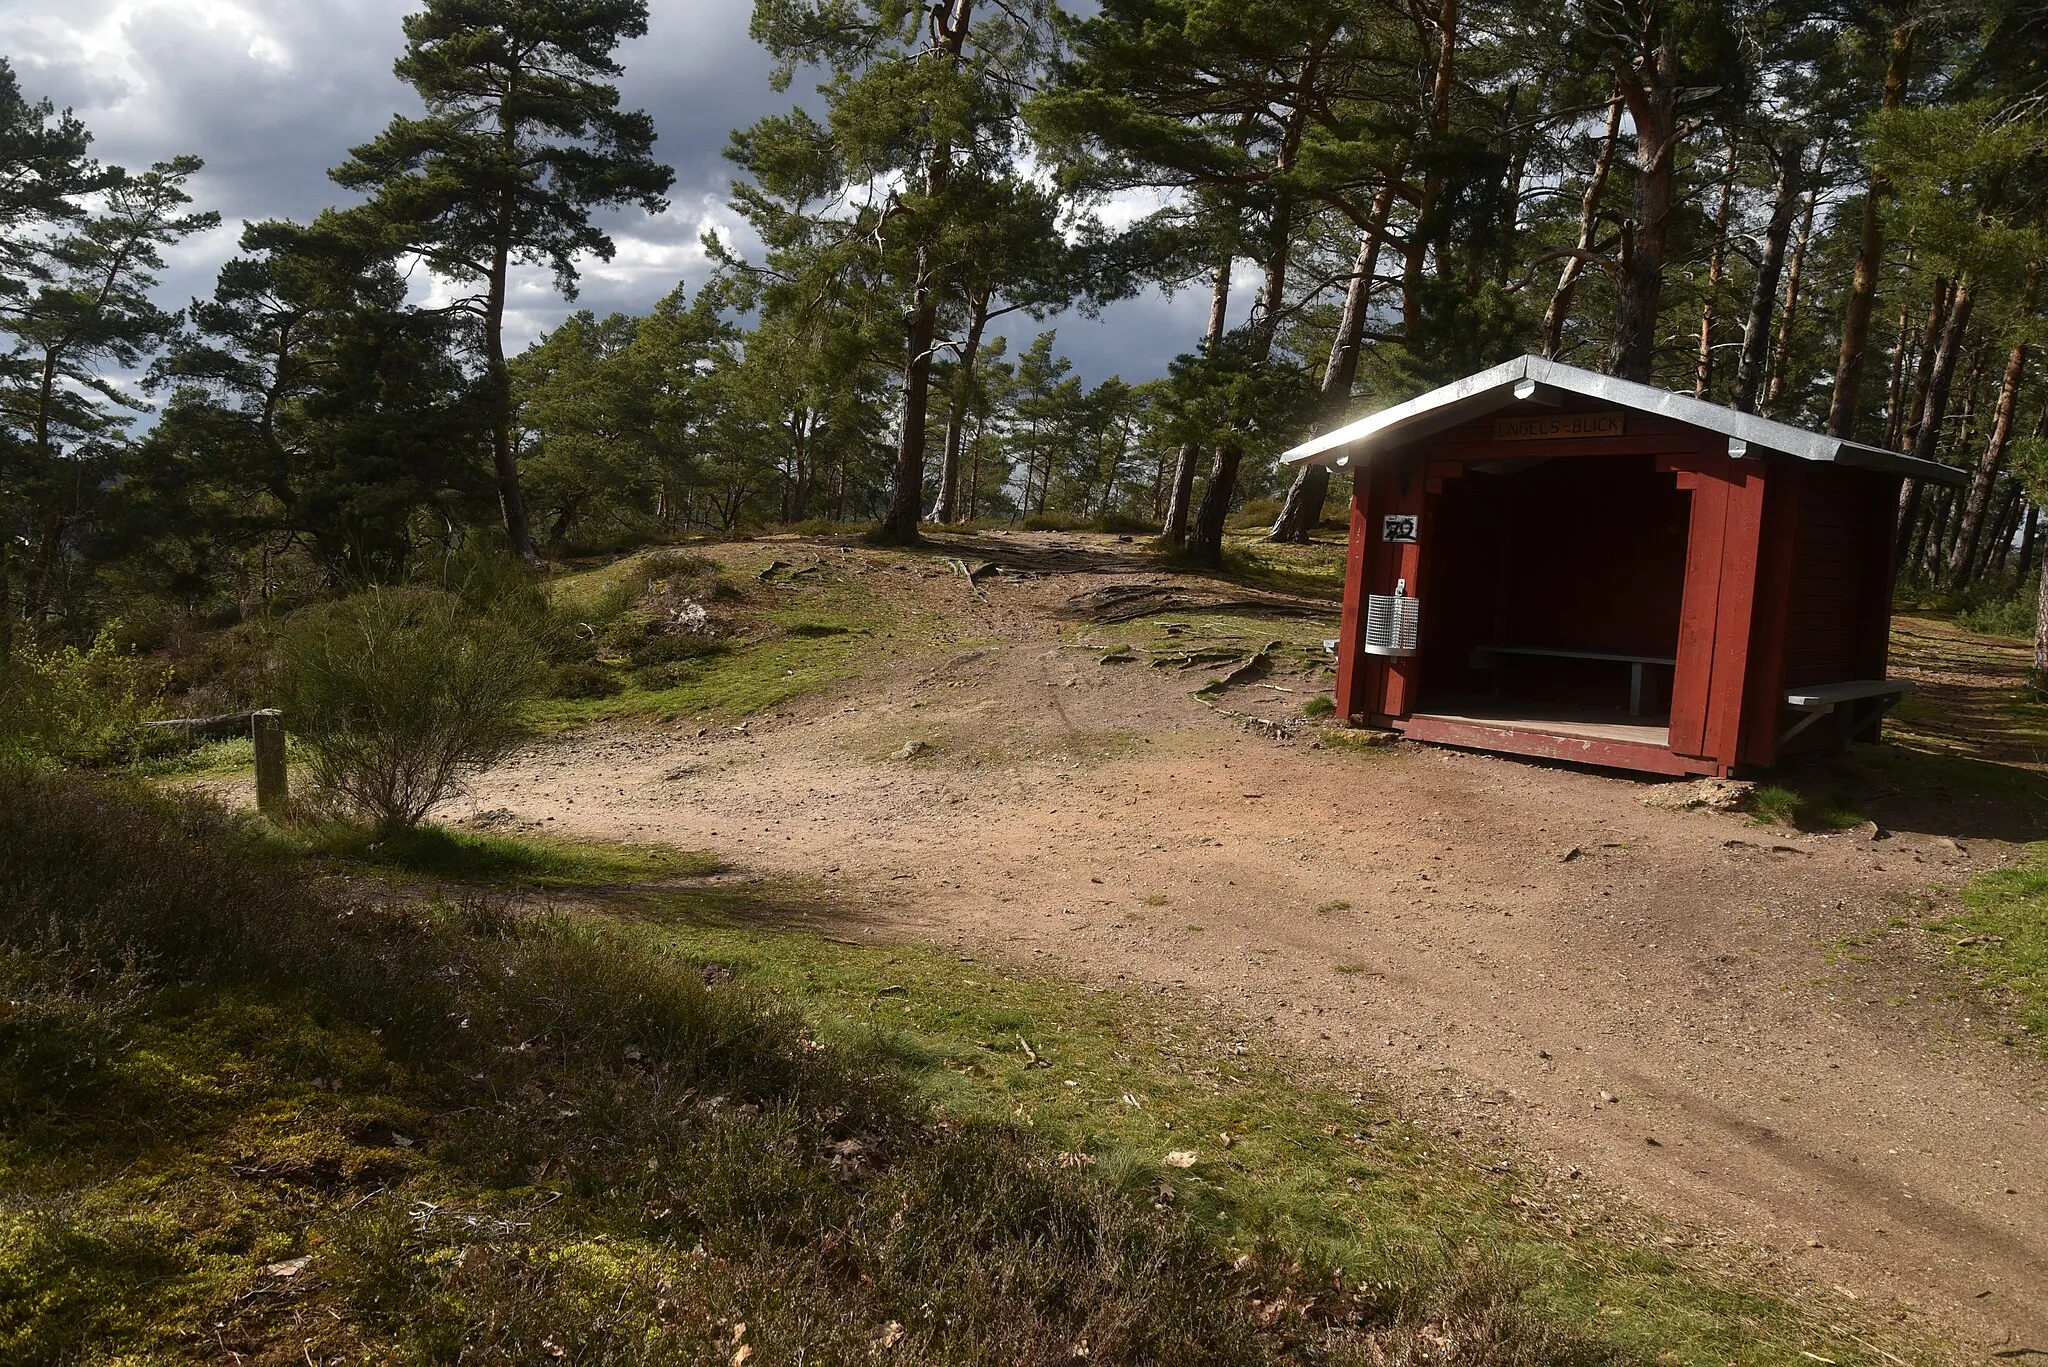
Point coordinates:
[[1548, 561]]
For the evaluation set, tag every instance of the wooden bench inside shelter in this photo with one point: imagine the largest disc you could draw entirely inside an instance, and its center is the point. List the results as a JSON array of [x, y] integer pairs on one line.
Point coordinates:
[[1487, 657]]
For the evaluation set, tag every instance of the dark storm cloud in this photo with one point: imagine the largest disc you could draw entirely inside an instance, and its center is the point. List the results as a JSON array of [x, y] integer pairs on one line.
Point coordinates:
[[273, 92]]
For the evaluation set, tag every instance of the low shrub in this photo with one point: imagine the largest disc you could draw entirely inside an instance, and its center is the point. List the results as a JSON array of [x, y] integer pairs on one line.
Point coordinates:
[[1257, 513], [2011, 615], [72, 705], [583, 681], [400, 694]]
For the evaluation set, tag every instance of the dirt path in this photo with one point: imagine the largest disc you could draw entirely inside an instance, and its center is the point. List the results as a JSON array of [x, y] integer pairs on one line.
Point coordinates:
[[1796, 1077]]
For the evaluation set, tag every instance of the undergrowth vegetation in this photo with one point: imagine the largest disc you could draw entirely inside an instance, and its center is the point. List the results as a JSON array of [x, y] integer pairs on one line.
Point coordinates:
[[1803, 807], [241, 1113], [477, 858], [678, 634], [2002, 936]]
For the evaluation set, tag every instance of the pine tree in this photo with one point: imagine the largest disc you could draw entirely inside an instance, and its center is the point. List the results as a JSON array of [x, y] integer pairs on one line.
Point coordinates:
[[522, 140]]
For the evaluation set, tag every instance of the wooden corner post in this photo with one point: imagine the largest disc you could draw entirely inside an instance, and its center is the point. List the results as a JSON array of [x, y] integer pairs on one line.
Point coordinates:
[[266, 728], [1350, 692]]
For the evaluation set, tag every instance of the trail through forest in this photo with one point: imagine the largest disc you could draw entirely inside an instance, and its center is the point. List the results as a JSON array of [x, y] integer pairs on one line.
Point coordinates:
[[1745, 1029]]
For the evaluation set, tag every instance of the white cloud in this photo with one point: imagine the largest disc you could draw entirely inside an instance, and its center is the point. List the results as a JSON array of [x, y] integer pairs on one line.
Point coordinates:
[[273, 92]]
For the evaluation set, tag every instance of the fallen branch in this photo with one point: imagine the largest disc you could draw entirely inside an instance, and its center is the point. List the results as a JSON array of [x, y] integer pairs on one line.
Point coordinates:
[[226, 724]]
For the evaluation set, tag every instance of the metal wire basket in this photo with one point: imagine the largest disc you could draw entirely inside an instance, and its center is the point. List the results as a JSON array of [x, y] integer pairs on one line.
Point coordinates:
[[1390, 622]]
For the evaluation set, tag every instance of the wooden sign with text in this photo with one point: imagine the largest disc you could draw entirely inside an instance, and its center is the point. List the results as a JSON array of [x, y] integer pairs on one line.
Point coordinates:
[[1558, 426]]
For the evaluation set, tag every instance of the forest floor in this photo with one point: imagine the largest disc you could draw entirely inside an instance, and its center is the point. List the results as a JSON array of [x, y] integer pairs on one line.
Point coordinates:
[[1757, 1034]]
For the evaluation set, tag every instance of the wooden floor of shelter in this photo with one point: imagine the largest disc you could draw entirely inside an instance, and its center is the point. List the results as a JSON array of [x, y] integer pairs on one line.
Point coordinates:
[[1563, 719]]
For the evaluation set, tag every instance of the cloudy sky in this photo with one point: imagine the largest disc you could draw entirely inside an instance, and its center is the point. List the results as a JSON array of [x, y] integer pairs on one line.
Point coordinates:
[[272, 92]]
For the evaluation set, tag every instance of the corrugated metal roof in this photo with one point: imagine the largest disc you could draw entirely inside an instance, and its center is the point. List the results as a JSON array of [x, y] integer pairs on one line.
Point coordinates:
[[1477, 395]]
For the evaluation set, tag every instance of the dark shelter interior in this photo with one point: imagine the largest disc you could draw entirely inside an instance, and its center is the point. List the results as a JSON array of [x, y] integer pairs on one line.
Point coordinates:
[[1553, 590]]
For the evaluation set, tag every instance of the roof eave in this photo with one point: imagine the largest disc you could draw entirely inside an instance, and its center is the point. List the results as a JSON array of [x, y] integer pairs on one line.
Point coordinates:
[[1465, 399]]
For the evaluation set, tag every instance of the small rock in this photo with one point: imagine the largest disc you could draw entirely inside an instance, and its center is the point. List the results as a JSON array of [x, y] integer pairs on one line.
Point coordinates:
[[911, 749], [290, 1267], [1608, 1098], [1708, 794], [1181, 1158]]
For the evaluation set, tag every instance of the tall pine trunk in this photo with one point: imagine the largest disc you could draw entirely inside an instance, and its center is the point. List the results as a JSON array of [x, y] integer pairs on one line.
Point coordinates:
[[1650, 88], [1941, 369], [1560, 305], [1304, 504], [1756, 333], [498, 383], [1205, 535], [1703, 368], [1175, 531], [947, 504], [1869, 253], [1788, 316], [906, 495], [1985, 477], [1894, 397]]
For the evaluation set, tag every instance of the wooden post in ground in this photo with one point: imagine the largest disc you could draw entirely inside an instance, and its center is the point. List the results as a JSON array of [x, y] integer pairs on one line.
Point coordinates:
[[272, 797]]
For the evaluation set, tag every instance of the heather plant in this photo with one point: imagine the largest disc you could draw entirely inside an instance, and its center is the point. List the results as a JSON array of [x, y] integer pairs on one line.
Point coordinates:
[[401, 694]]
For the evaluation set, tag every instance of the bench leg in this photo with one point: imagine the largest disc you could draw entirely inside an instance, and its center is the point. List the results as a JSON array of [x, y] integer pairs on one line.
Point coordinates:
[[1635, 690], [1808, 720]]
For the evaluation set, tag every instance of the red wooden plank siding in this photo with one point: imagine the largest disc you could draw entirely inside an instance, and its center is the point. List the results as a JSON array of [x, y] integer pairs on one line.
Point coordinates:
[[1825, 627], [1698, 613], [1349, 693], [1874, 627], [1741, 545], [1784, 508], [1403, 489]]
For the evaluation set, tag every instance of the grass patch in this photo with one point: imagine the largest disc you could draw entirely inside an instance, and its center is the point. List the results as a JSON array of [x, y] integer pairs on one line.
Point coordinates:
[[1315, 570], [1955, 773], [211, 759], [2002, 936], [527, 861], [811, 642], [1778, 805], [1334, 1177]]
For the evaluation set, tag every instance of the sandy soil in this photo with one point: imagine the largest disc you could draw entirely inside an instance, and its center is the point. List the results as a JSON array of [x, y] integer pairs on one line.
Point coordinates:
[[1796, 1076]]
